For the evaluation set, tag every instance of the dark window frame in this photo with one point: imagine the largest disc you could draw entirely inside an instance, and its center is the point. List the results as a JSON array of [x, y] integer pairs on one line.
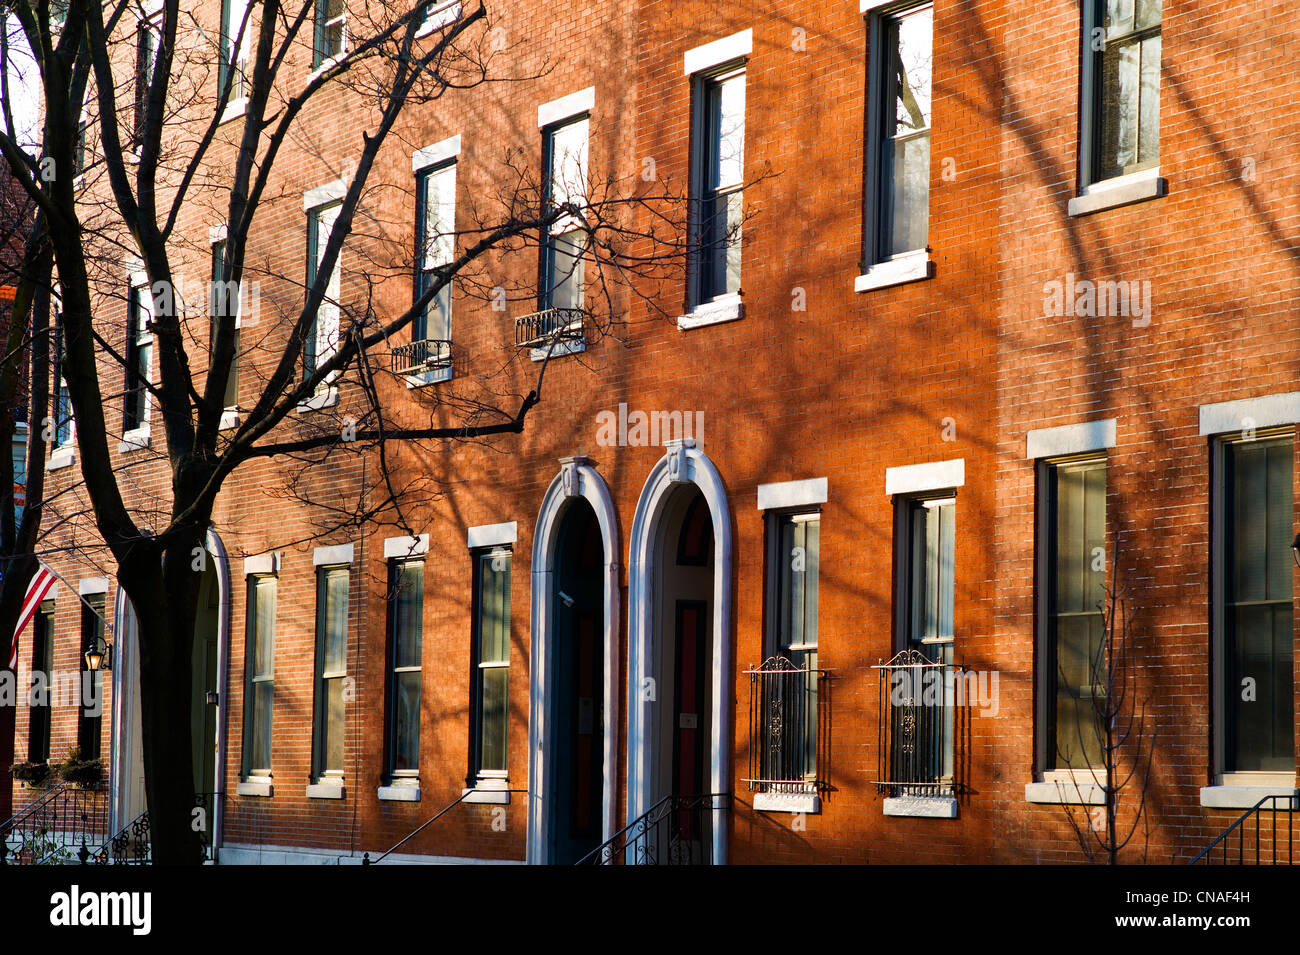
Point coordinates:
[[477, 771], [392, 670], [257, 671]]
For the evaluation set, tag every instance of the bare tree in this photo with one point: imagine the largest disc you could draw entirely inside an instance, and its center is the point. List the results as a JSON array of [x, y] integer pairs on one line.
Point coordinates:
[[1114, 747], [135, 192]]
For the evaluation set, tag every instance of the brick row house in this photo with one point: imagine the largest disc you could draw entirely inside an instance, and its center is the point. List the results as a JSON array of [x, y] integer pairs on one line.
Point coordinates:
[[1009, 324]]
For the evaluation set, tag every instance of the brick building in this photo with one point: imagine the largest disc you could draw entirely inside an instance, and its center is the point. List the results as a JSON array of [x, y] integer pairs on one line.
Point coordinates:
[[1011, 309]]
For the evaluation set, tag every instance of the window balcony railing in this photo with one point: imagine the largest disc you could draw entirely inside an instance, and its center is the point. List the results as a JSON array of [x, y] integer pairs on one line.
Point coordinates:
[[921, 715], [432, 354], [786, 709], [550, 327]]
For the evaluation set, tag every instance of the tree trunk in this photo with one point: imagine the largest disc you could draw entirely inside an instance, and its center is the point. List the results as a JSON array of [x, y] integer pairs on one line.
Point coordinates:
[[165, 595]]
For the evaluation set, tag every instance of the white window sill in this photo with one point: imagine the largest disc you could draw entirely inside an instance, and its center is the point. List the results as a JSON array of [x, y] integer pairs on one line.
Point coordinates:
[[1242, 797], [229, 419], [1120, 191], [61, 457], [326, 790], [134, 440], [929, 807], [255, 786], [1061, 789], [326, 66], [234, 110], [428, 378], [724, 308], [488, 790], [908, 267], [325, 398], [805, 803], [439, 19], [561, 348], [400, 793]]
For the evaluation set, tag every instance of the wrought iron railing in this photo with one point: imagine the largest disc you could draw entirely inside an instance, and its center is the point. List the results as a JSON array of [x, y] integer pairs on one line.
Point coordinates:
[[921, 716], [551, 326], [133, 843], [786, 703], [55, 827], [431, 354], [1257, 835], [677, 830]]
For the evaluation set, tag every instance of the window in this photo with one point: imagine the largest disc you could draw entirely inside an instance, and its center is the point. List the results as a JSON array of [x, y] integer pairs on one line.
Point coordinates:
[[148, 40], [928, 584], [1121, 80], [1074, 574], [1253, 617], [794, 557], [139, 351], [435, 230], [233, 65], [719, 173], [898, 195], [491, 661], [439, 13], [405, 627], [331, 670], [922, 687], [224, 303], [62, 400], [331, 34], [38, 715], [323, 335], [564, 244], [90, 717], [259, 674]]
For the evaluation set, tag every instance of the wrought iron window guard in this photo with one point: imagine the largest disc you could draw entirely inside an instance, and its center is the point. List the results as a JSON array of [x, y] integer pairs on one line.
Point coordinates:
[[787, 706], [922, 713], [550, 327], [430, 354]]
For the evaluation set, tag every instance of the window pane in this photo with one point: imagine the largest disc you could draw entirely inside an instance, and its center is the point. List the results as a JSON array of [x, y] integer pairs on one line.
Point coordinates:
[[336, 620], [911, 66], [728, 123], [264, 648], [1148, 14], [335, 723], [569, 162], [796, 569], [493, 721], [410, 611], [567, 269], [1119, 17], [261, 735], [812, 549], [406, 727], [494, 625], [1149, 103]]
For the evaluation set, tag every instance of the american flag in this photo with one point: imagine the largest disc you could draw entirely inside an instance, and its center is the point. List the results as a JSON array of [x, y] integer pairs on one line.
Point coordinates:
[[36, 592]]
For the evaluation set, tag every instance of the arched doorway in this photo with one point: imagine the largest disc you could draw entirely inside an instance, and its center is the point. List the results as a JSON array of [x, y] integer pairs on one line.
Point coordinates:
[[679, 586], [574, 673]]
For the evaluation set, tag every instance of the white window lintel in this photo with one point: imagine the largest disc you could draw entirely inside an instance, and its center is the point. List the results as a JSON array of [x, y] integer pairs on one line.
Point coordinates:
[[324, 195], [566, 107], [1070, 439], [792, 494], [337, 554], [493, 535], [401, 547], [931, 476], [439, 152], [1266, 411], [718, 52]]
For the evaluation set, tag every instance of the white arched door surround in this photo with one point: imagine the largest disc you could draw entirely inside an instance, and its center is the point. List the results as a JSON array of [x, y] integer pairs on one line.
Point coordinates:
[[682, 463], [577, 479]]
